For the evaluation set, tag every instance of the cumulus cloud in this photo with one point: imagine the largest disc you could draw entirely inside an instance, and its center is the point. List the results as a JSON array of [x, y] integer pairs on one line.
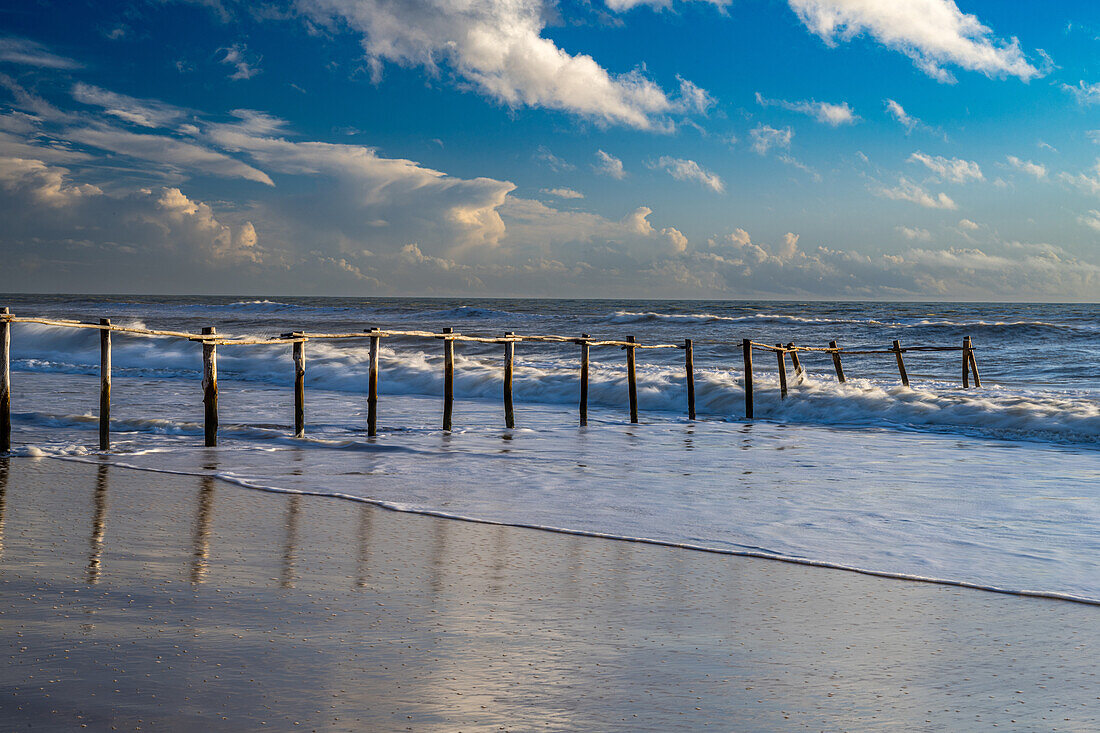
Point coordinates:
[[824, 112], [766, 137], [906, 190], [955, 170], [933, 33], [219, 240], [44, 183], [498, 47], [688, 170], [1036, 170], [243, 68], [608, 165], [898, 112], [969, 225], [1091, 220], [914, 233], [563, 193]]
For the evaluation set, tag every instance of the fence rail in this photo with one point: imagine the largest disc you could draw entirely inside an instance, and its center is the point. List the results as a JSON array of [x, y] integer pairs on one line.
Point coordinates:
[[210, 341]]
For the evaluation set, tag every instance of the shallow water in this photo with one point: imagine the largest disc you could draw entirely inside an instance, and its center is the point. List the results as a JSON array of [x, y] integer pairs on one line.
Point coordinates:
[[995, 487]]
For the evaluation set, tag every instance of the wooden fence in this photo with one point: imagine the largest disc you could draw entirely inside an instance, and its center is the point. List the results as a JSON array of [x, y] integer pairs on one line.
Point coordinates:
[[210, 341]]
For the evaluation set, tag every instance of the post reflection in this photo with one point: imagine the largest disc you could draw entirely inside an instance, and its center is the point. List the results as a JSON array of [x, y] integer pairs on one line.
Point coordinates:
[[99, 527], [200, 536], [287, 576], [4, 468], [362, 565], [438, 557]]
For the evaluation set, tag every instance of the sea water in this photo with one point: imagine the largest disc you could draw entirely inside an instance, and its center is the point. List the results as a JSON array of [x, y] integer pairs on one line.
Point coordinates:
[[995, 487]]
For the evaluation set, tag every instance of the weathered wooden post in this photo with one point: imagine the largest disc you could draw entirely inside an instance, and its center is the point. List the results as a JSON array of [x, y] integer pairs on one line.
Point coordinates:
[[799, 372], [746, 348], [372, 387], [509, 363], [631, 379], [584, 380], [105, 384], [901, 363], [448, 378], [966, 362], [974, 364], [5, 381], [299, 384], [782, 371], [836, 362], [689, 367], [210, 385]]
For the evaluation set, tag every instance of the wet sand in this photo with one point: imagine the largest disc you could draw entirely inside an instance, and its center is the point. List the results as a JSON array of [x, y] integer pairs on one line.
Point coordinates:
[[134, 600]]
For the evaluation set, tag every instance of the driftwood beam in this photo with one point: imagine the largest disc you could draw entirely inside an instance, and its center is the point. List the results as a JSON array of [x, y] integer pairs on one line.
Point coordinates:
[[901, 363], [5, 382], [746, 348], [448, 379], [105, 385], [689, 368], [836, 362], [584, 380], [509, 364], [210, 388], [372, 387]]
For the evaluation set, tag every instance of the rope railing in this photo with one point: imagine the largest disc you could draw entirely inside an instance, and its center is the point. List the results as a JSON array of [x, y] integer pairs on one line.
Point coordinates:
[[210, 341]]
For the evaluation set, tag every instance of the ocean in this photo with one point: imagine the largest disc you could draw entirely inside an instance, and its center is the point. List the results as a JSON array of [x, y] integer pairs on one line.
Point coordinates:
[[997, 487]]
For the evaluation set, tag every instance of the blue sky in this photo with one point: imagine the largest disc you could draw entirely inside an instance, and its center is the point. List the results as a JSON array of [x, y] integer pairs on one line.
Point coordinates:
[[912, 149]]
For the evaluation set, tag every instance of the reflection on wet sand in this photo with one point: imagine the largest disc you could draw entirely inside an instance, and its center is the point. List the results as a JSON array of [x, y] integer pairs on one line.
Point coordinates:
[[200, 537], [293, 508], [362, 565], [4, 468], [99, 527]]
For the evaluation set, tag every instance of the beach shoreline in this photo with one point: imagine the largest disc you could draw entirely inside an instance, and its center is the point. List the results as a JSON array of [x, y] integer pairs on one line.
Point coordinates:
[[135, 599]]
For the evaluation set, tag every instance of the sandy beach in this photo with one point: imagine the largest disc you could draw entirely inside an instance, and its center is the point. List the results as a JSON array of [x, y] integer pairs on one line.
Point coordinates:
[[132, 600]]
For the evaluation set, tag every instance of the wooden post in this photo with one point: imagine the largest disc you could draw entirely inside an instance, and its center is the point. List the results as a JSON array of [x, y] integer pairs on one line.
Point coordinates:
[[799, 372], [5, 382], [901, 363], [974, 364], [372, 387], [584, 380], [746, 348], [299, 385], [509, 363], [689, 367], [210, 386], [105, 384], [782, 371], [836, 362], [448, 378], [631, 380], [966, 362]]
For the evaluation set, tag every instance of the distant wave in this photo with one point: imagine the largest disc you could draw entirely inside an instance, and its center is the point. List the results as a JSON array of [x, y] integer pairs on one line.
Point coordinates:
[[472, 312]]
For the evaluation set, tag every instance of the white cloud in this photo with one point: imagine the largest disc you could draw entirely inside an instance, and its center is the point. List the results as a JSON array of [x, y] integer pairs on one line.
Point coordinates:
[[915, 234], [933, 33], [898, 112], [1032, 169], [620, 6], [161, 149], [1091, 219], [145, 113], [1086, 94], [1093, 135], [608, 165], [498, 47], [544, 155], [44, 183], [1083, 181], [955, 170], [906, 190], [969, 225], [563, 193], [824, 112], [220, 241], [28, 53], [765, 137], [243, 68], [688, 170]]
